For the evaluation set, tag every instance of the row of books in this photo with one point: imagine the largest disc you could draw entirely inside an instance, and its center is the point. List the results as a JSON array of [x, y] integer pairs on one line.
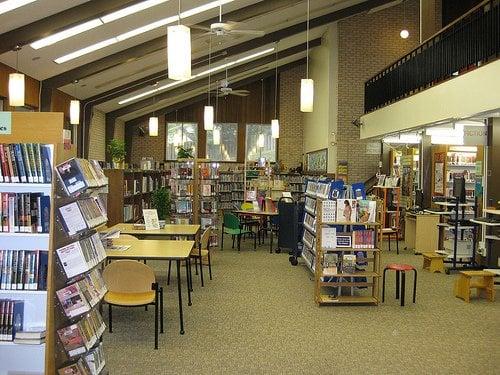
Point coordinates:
[[357, 239], [76, 175], [208, 190], [349, 210], [131, 187], [11, 318], [310, 222], [363, 239], [30, 336], [181, 188], [130, 211], [23, 269], [335, 264], [81, 256], [208, 207], [79, 297], [83, 214], [91, 364], [231, 177], [24, 212], [183, 206], [26, 163], [209, 172], [80, 337]]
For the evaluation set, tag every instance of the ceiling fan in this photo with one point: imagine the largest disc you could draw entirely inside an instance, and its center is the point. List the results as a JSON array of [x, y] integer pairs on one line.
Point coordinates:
[[224, 89], [227, 28]]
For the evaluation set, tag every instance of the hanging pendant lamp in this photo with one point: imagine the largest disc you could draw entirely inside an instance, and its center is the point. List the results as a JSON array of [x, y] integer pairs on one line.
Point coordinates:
[[275, 124], [74, 108], [153, 122], [307, 84], [179, 50], [208, 111], [404, 34], [16, 85]]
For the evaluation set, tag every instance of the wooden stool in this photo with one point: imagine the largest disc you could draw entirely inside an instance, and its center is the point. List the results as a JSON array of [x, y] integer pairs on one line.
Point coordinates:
[[433, 262], [400, 270], [481, 280]]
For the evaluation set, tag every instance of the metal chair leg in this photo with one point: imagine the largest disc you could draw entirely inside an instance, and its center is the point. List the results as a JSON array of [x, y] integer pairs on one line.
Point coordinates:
[[397, 243], [110, 319], [239, 242], [156, 319], [389, 239], [209, 265], [397, 284], [383, 285], [403, 286], [233, 241], [222, 238], [201, 271], [196, 265], [161, 310], [414, 285]]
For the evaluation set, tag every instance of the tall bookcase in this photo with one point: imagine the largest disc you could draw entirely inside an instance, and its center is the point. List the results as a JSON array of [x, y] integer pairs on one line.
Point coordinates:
[[208, 191], [47, 129], [184, 191], [130, 192], [230, 189]]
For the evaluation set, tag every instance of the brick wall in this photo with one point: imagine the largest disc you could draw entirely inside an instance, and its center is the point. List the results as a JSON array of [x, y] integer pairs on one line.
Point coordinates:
[[140, 146], [291, 130], [119, 130], [367, 44], [97, 136]]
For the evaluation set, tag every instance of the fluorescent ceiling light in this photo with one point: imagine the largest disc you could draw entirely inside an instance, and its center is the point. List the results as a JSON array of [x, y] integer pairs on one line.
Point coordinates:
[[7, 6], [57, 37], [470, 123], [84, 51], [447, 140], [136, 8], [141, 30], [92, 24], [406, 138], [198, 75], [449, 130]]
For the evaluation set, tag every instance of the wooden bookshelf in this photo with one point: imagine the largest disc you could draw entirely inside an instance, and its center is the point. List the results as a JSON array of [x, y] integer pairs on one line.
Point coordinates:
[[342, 279], [44, 128], [131, 188]]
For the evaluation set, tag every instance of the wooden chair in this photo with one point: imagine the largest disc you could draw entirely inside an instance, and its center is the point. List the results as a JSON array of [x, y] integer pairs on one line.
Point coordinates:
[[232, 225], [203, 250], [132, 284]]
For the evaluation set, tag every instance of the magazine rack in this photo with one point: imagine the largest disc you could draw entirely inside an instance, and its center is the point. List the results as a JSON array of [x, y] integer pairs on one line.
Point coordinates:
[[331, 284], [45, 129], [79, 211]]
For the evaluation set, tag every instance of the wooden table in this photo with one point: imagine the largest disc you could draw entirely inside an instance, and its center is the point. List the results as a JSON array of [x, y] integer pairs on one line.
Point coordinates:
[[175, 250], [266, 214], [421, 234], [170, 230]]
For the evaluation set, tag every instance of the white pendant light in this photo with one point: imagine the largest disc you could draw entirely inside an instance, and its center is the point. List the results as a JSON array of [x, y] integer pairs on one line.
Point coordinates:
[[16, 85], [260, 140], [275, 129], [16, 90], [74, 112], [179, 50], [153, 126], [216, 136], [307, 84], [404, 34], [208, 117]]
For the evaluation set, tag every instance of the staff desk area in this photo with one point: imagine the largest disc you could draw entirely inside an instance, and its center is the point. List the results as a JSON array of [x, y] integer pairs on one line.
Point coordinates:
[[169, 250]]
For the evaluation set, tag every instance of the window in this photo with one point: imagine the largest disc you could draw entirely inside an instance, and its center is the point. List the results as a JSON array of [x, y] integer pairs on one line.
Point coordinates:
[[181, 134], [227, 149], [268, 145]]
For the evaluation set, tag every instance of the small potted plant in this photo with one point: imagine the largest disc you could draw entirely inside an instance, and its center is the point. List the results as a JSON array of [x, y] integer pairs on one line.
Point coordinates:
[[161, 201], [116, 149], [184, 153]]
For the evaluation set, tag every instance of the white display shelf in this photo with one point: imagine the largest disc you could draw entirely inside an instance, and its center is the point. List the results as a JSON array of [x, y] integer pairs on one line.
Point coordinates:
[[450, 204], [21, 359], [21, 291], [491, 211], [24, 241], [492, 237], [485, 223], [19, 187]]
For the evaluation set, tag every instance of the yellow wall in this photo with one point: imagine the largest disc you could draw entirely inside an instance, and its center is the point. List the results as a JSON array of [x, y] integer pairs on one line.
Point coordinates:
[[460, 97]]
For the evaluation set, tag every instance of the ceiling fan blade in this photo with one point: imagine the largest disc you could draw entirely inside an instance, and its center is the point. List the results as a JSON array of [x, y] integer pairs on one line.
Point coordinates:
[[258, 33], [223, 94], [199, 27], [242, 91], [236, 93], [235, 24]]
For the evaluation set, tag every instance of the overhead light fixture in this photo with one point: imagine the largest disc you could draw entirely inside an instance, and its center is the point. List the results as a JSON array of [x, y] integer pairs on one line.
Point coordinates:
[[307, 84], [179, 50], [447, 140], [153, 126], [216, 136], [74, 112], [96, 22], [404, 34], [140, 30], [198, 75], [7, 6], [208, 112], [275, 124], [404, 138], [451, 130], [471, 123], [16, 85]]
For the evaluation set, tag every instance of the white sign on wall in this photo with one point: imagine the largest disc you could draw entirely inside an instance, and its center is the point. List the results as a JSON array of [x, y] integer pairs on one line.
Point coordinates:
[[475, 135]]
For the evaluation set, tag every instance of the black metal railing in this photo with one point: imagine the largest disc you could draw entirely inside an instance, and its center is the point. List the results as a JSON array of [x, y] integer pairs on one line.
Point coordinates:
[[465, 44]]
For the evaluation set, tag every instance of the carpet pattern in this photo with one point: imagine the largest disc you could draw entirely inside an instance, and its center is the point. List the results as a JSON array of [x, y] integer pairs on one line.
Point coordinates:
[[258, 316]]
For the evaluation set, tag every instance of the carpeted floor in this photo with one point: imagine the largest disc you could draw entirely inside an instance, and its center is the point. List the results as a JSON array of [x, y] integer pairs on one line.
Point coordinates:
[[258, 316]]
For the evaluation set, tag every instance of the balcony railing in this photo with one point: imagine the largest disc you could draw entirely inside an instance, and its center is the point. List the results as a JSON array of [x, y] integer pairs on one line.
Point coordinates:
[[472, 40]]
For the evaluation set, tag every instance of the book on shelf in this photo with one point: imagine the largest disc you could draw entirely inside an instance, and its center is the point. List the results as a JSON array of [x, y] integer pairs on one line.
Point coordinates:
[[80, 256], [367, 211], [72, 300], [208, 207], [310, 222], [38, 341], [206, 190], [24, 212], [77, 368], [95, 360], [348, 263], [93, 288], [329, 238], [31, 333], [328, 210], [206, 222], [330, 264], [25, 163], [76, 175], [184, 206], [81, 215], [363, 239], [308, 239], [347, 210], [23, 269], [323, 189], [344, 239], [310, 205], [11, 318]]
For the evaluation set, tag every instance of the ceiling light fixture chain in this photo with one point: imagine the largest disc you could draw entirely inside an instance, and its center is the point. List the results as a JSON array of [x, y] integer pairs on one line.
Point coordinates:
[[276, 82], [179, 14], [307, 42]]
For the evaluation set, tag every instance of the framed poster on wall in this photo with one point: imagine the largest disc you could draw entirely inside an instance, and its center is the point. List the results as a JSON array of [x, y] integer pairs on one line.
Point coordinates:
[[439, 159], [317, 161]]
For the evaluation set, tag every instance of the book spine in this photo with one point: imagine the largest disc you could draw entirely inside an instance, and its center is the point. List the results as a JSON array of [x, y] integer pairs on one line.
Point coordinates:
[[11, 163], [5, 212], [26, 271], [27, 164], [5, 168], [46, 163], [20, 269], [32, 161], [44, 211], [38, 162], [43, 269], [34, 284], [20, 163]]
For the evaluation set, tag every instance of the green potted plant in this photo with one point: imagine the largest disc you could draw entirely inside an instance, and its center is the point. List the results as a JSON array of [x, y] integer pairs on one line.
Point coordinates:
[[184, 152], [161, 201], [116, 149]]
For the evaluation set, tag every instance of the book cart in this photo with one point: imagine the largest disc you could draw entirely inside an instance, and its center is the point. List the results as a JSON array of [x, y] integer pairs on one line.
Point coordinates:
[[333, 278], [491, 225], [31, 248], [80, 210], [208, 190]]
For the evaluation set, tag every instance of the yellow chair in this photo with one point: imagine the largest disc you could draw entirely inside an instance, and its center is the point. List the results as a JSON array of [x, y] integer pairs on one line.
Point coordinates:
[[201, 251], [132, 284]]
